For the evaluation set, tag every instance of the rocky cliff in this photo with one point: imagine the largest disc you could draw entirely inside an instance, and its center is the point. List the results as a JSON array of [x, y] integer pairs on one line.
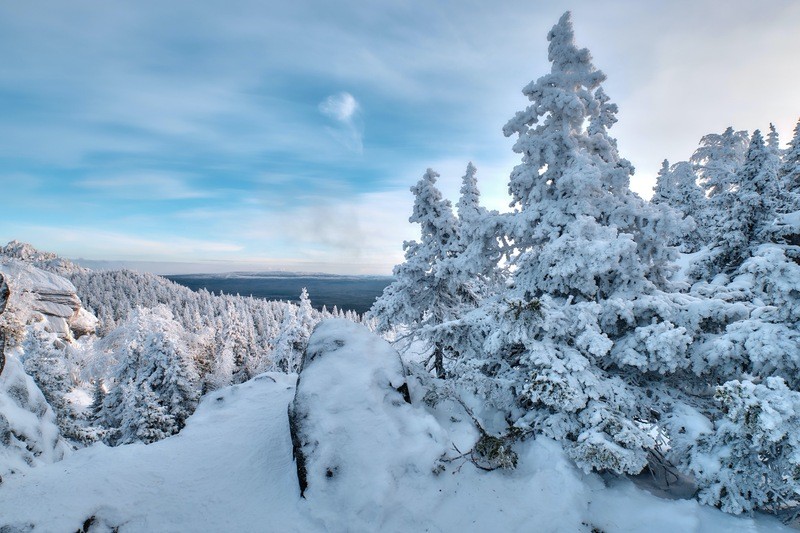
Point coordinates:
[[28, 291]]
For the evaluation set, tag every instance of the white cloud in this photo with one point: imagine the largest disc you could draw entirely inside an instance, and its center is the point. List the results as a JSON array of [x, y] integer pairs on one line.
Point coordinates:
[[344, 109], [339, 107]]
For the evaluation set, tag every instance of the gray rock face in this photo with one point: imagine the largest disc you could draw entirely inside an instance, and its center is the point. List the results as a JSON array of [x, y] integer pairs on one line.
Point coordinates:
[[31, 290], [4, 293]]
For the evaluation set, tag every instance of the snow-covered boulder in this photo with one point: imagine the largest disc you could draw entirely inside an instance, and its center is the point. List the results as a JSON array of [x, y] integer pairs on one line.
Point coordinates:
[[788, 228], [29, 289], [354, 433], [29, 435]]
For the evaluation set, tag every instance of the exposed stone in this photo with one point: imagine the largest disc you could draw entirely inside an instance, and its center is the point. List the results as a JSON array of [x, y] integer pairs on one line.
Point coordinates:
[[29, 290]]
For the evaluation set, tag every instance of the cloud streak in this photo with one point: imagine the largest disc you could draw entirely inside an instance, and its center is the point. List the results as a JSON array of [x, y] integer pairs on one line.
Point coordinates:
[[157, 186]]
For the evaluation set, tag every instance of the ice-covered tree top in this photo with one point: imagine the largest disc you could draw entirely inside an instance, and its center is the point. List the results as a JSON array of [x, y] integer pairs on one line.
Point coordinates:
[[549, 129], [572, 185], [432, 212], [661, 190], [563, 134], [718, 158], [757, 178], [468, 206], [677, 187], [790, 170], [773, 140]]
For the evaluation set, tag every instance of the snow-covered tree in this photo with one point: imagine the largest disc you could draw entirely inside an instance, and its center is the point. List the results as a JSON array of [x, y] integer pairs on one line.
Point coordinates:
[[298, 323], [421, 297], [474, 263], [676, 187], [45, 362], [790, 171], [584, 246], [752, 459], [750, 206], [718, 159], [154, 387]]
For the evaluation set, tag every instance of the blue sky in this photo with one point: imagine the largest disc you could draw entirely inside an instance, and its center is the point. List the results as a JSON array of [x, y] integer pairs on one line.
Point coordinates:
[[284, 135]]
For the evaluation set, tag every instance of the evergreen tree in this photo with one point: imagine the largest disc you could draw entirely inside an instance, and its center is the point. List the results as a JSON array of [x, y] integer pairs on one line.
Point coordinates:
[[676, 187], [421, 297], [790, 171], [469, 204], [588, 258], [718, 159], [298, 323], [750, 206], [751, 461], [664, 185], [45, 363], [154, 388]]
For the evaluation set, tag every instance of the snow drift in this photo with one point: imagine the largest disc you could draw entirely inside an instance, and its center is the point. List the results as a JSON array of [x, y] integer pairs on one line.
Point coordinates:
[[231, 469]]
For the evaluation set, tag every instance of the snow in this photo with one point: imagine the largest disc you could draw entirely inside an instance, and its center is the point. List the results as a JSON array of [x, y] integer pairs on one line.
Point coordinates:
[[359, 438], [28, 432], [791, 219], [231, 469]]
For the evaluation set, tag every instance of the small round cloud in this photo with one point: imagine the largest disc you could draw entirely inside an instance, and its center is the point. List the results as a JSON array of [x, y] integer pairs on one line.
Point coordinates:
[[341, 106]]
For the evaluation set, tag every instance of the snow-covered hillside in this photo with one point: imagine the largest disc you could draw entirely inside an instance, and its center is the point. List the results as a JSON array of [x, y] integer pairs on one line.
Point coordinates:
[[231, 469]]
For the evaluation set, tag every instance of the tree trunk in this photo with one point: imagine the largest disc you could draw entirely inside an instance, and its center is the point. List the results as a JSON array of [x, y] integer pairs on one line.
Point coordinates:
[[438, 361]]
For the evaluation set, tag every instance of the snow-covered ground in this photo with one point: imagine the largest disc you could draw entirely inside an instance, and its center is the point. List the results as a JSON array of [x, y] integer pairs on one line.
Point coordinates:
[[231, 469]]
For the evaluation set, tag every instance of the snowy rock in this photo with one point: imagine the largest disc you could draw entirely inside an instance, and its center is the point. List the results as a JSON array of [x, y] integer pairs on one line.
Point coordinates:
[[4, 293], [788, 227], [354, 433], [29, 435], [45, 260], [30, 289]]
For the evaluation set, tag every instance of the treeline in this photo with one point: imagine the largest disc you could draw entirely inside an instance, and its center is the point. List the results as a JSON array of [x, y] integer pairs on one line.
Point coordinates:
[[158, 347]]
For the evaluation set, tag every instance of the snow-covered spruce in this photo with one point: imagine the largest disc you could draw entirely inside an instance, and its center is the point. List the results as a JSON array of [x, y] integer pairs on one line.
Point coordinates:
[[29, 435]]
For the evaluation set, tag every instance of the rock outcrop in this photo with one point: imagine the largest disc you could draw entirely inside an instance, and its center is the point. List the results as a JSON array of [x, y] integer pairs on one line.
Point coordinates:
[[44, 260], [29, 290], [355, 435], [4, 293]]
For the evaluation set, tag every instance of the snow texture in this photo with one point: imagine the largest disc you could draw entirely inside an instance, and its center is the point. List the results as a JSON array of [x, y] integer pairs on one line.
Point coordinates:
[[29, 435], [231, 469], [353, 426]]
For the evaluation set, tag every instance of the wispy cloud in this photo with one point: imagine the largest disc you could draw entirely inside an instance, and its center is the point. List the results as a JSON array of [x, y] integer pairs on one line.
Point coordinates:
[[144, 186], [94, 243], [344, 109]]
